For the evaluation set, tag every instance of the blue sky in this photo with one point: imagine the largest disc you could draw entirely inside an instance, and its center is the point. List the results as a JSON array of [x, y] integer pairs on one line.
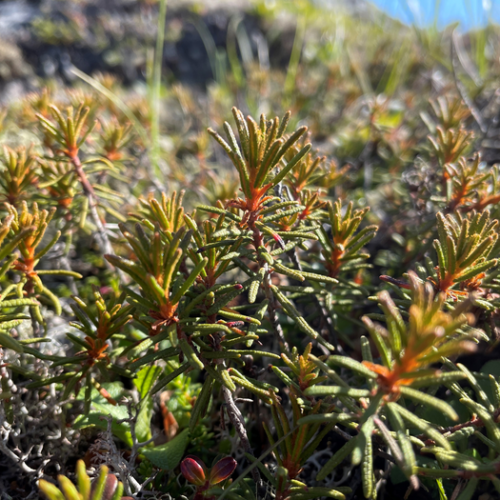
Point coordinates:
[[470, 13]]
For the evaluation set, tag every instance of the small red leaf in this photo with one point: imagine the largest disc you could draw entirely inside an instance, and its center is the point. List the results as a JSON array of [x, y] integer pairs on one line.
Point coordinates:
[[193, 470], [222, 470]]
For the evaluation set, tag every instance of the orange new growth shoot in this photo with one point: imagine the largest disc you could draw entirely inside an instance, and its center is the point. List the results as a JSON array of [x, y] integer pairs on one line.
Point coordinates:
[[263, 149], [165, 317], [32, 225], [408, 350], [95, 351]]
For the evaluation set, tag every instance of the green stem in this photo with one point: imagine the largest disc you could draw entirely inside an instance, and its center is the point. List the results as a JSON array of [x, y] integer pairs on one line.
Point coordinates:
[[155, 94], [293, 64]]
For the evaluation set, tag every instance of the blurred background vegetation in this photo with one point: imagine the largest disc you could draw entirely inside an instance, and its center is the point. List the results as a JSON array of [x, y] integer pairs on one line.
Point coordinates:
[[360, 79], [371, 81]]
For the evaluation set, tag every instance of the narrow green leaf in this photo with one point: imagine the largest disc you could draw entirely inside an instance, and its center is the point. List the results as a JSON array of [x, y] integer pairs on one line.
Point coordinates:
[[367, 477], [474, 271], [335, 390], [316, 492], [201, 403], [429, 401], [441, 259], [83, 480], [100, 484], [469, 490], [489, 423], [352, 364], [69, 489], [8, 342], [337, 459], [51, 491], [188, 351], [168, 378], [421, 425], [189, 281]]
